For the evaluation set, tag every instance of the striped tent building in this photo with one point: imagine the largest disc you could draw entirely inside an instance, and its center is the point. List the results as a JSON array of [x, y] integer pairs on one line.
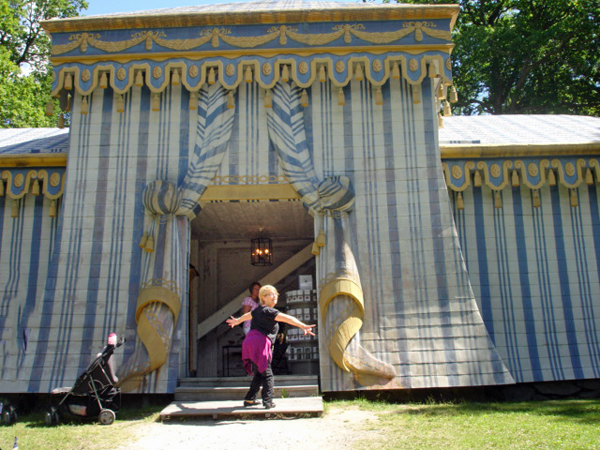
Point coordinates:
[[431, 251]]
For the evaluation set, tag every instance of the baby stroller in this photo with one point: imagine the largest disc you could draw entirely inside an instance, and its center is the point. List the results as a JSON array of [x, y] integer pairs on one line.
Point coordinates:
[[94, 394]]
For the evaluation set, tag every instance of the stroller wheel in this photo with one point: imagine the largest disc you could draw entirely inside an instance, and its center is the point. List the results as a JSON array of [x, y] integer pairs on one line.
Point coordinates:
[[51, 417], [107, 416]]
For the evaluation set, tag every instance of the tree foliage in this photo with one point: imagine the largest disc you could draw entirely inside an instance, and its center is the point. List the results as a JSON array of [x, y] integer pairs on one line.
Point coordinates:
[[25, 75], [527, 56]]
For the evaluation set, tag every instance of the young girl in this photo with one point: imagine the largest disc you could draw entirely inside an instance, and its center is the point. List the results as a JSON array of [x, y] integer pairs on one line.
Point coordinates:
[[257, 349]]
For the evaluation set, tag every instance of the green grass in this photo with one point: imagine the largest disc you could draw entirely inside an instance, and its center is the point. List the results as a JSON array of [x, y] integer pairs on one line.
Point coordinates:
[[33, 434], [565, 424]]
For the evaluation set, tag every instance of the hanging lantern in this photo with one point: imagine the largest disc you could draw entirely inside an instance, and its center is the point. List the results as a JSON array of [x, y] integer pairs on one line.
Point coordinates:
[[261, 252]]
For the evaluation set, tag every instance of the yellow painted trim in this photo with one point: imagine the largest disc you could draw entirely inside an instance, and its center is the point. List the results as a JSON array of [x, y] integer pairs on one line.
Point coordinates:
[[249, 193], [351, 324], [460, 151], [266, 53], [362, 12], [35, 160], [159, 294]]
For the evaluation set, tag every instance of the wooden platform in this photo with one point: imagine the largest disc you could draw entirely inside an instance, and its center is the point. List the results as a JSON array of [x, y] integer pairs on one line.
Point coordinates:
[[287, 407]]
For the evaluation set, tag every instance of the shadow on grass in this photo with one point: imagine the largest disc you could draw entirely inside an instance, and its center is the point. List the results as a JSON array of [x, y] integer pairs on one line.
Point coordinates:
[[576, 411], [37, 420]]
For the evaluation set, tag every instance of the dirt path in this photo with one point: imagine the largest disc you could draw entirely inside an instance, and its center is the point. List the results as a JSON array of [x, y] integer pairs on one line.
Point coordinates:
[[337, 429]]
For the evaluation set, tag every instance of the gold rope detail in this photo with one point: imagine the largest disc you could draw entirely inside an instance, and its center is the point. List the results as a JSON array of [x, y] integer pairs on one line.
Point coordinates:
[[247, 41], [351, 324], [315, 39]]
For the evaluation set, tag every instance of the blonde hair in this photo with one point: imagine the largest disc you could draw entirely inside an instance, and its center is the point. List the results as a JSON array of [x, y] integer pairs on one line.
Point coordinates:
[[266, 289]]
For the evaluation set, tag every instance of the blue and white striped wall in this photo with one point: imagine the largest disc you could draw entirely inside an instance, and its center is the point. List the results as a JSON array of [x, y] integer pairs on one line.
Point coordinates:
[[535, 275]]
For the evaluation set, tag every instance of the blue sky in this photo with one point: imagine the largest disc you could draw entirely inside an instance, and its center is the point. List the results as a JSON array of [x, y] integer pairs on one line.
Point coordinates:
[[97, 7]]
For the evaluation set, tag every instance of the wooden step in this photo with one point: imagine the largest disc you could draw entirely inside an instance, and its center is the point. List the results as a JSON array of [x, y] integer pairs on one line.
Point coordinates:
[[301, 406], [281, 380], [234, 388]]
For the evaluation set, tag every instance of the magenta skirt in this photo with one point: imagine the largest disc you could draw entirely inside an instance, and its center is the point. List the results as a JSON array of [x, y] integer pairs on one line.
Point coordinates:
[[256, 349]]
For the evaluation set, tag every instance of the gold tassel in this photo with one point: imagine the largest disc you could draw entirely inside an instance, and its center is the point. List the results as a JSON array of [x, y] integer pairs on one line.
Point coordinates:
[[322, 74], [120, 104], [395, 71], [515, 179], [447, 110], [50, 108], [268, 99], [359, 73], [85, 107], [442, 92], [341, 97], [416, 93], [589, 179], [52, 212], [536, 198], [378, 97], [248, 75], [68, 82], [432, 70], [321, 239], [453, 95], [212, 76], [440, 121], [574, 202], [193, 105], [285, 74], [230, 100], [103, 81], [460, 204], [35, 188], [1, 188], [68, 105], [551, 178], [477, 179], [61, 121], [156, 102], [144, 239], [149, 244], [175, 80], [15, 209], [304, 98], [139, 79], [315, 249], [497, 200]]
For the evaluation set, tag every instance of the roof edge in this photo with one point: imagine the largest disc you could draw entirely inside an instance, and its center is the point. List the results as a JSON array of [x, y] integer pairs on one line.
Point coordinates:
[[34, 160], [453, 151], [359, 13]]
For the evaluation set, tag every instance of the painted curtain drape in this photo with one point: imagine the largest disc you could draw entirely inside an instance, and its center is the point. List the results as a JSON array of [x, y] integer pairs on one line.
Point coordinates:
[[169, 209], [341, 300]]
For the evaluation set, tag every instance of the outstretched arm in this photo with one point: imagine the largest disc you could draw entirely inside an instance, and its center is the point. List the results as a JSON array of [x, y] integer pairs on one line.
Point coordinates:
[[232, 321], [281, 317]]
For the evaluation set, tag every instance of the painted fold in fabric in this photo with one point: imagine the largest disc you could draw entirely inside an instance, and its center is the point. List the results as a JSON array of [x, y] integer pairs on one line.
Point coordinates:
[[169, 209], [341, 297]]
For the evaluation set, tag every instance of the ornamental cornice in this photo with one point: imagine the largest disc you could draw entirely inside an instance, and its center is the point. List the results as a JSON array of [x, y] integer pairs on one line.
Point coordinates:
[[356, 34], [16, 182], [532, 172], [304, 70]]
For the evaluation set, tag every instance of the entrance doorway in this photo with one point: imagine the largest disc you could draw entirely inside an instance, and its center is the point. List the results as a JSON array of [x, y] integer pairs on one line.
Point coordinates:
[[220, 254]]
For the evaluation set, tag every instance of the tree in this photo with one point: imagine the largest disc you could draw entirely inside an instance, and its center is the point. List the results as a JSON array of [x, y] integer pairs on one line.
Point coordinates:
[[25, 75], [527, 56]]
